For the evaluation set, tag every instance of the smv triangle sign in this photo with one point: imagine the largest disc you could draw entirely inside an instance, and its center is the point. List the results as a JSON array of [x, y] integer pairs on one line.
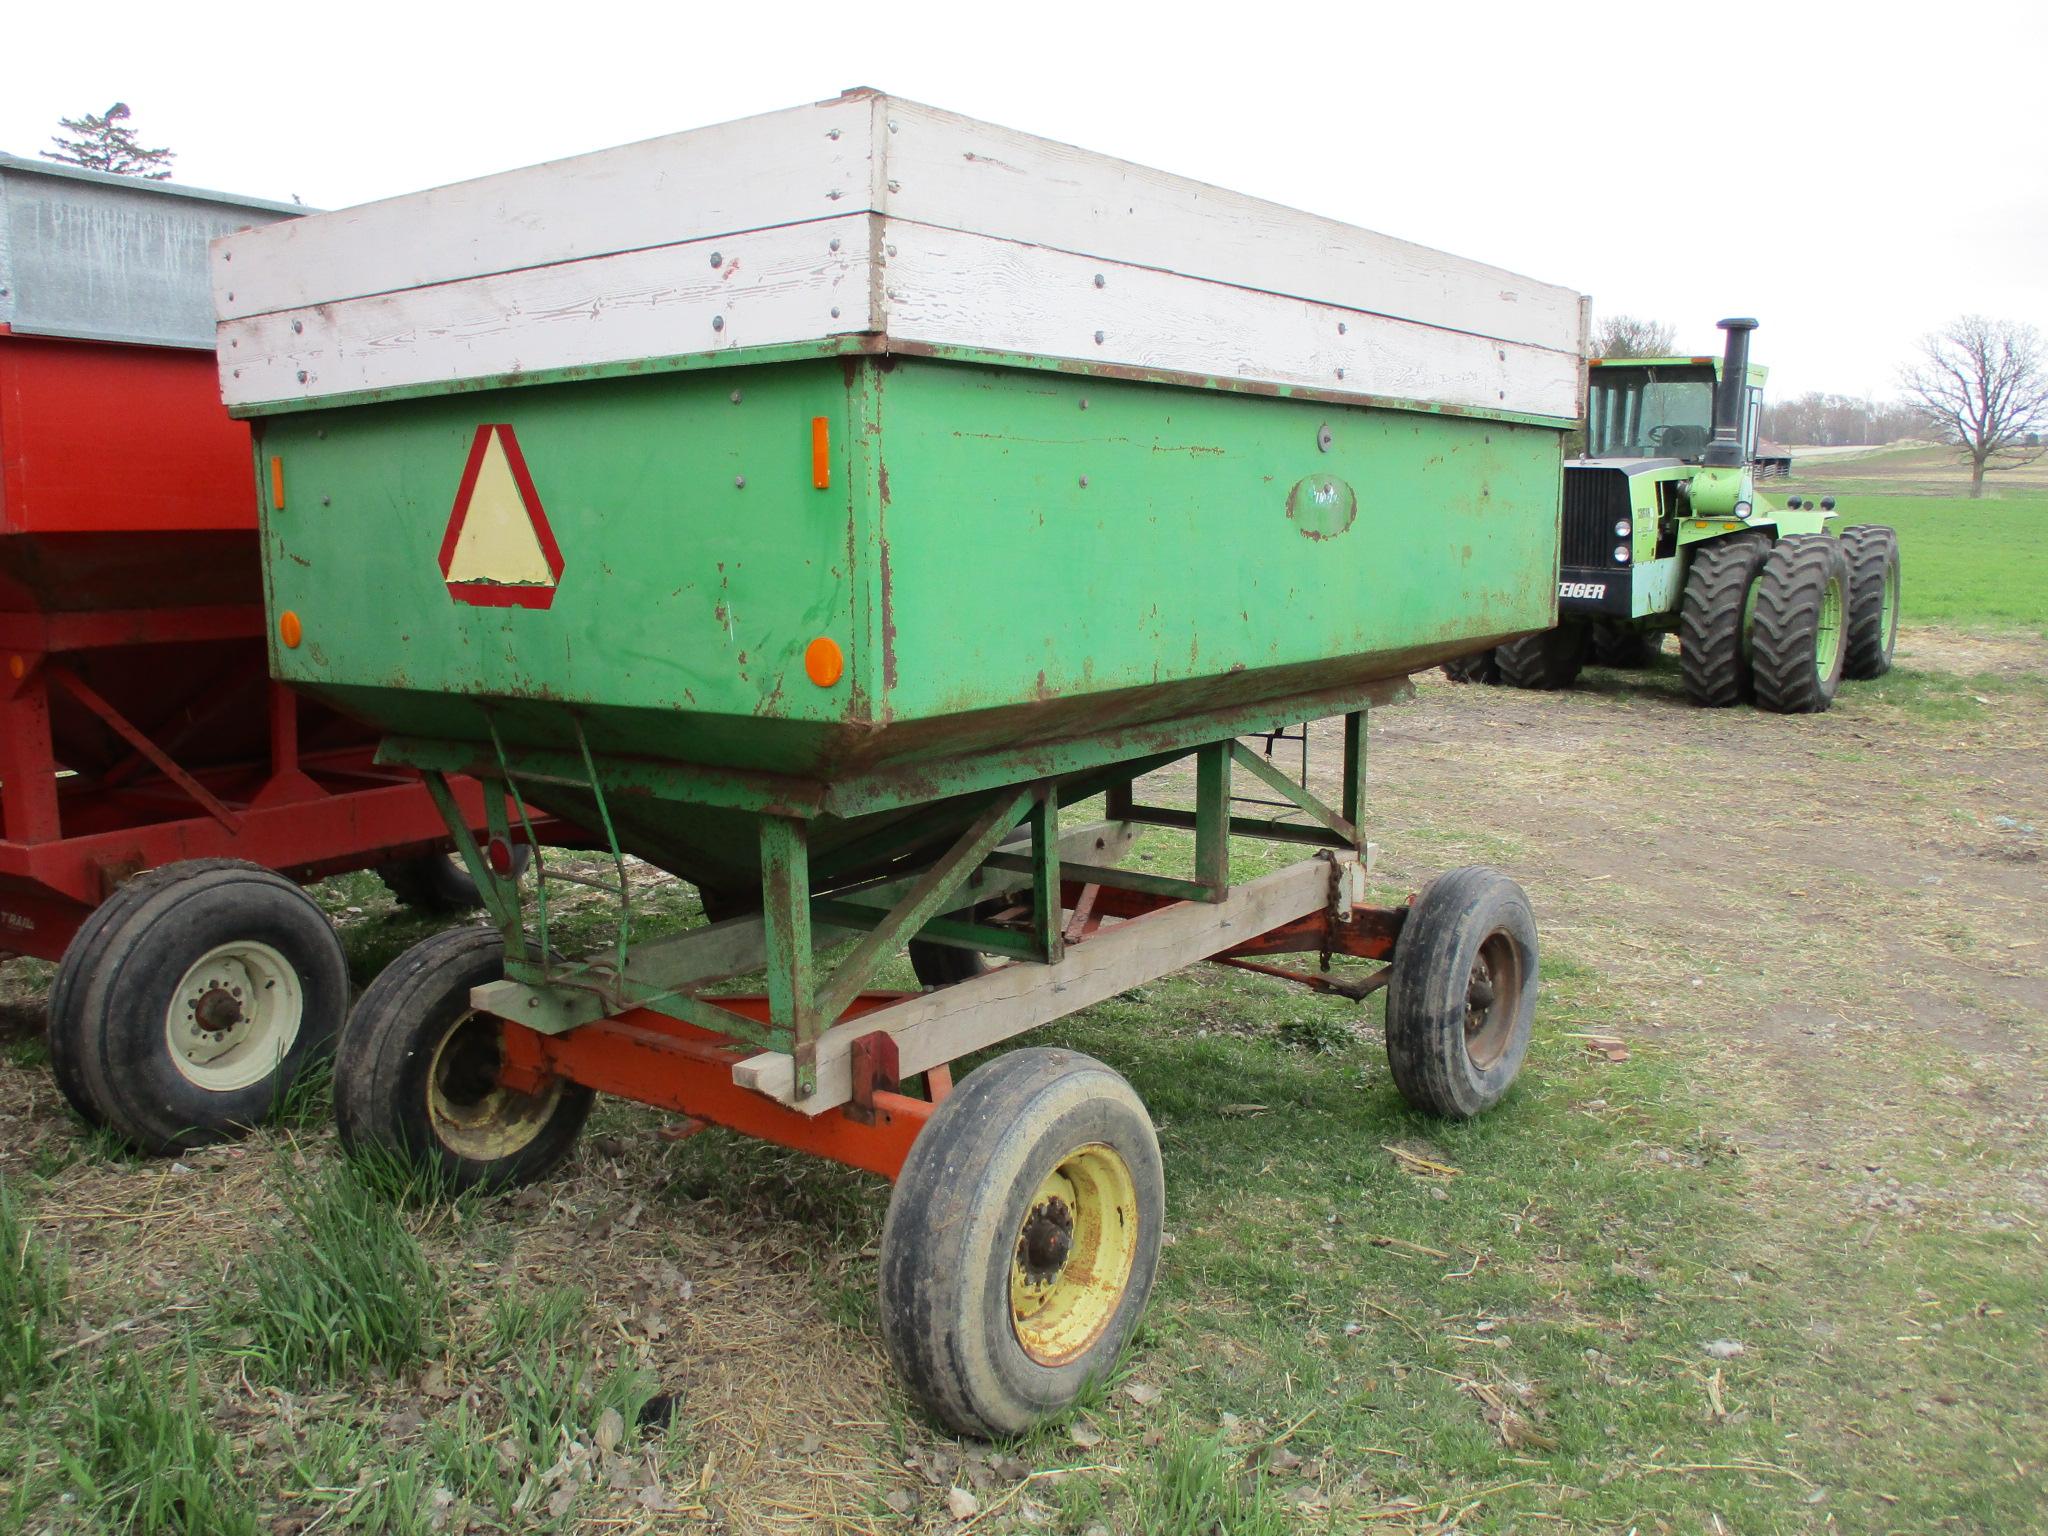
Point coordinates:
[[499, 551]]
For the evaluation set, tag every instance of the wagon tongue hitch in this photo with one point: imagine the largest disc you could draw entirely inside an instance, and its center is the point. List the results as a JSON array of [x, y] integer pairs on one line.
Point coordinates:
[[1048, 1239]]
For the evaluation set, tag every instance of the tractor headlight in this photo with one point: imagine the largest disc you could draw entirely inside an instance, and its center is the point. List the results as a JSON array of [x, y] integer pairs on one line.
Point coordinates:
[[1623, 529], [1621, 553], [1744, 510]]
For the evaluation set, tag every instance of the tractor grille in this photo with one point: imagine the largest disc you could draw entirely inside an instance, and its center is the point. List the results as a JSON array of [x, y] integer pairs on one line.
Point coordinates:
[[1594, 501]]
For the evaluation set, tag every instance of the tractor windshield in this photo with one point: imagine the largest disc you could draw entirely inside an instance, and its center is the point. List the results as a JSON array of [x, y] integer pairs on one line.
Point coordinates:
[[1643, 413]]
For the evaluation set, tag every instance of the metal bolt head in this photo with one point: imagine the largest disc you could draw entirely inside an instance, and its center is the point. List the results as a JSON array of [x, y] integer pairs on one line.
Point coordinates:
[[1342, 327], [717, 260], [1325, 437], [1098, 338], [1101, 281], [835, 311], [326, 501], [1084, 482], [718, 322], [1084, 402], [739, 482], [735, 397], [302, 375], [835, 242], [298, 327]]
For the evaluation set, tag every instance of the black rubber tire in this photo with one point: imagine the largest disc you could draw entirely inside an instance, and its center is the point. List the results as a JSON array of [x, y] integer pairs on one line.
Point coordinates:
[[1472, 929], [438, 884], [1791, 596], [1479, 667], [1713, 651], [385, 1069], [940, 965], [956, 1220], [61, 1030], [126, 968], [1622, 646], [1873, 554], [1549, 660]]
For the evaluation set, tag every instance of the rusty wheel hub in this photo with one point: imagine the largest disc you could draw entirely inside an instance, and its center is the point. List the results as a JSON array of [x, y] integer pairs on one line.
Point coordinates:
[[218, 1009], [1047, 1239]]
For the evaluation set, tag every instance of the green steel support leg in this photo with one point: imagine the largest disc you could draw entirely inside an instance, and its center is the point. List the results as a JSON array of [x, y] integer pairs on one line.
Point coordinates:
[[786, 931], [501, 898], [1354, 773], [1273, 778], [1212, 818], [1046, 913]]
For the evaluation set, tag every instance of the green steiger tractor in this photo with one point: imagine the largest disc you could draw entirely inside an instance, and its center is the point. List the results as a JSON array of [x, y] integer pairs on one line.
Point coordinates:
[[1664, 529]]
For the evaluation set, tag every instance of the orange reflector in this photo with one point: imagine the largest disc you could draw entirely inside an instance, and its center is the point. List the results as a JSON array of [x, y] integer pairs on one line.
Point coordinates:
[[288, 630], [823, 662], [276, 484], [17, 666], [821, 456]]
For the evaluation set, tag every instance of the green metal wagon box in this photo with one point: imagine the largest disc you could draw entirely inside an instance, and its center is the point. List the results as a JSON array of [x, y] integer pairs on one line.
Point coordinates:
[[812, 505]]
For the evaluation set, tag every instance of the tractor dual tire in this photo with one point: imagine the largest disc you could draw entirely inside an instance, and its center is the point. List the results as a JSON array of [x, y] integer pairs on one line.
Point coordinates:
[[1461, 1002], [416, 1074], [1479, 667], [1548, 661], [187, 1004], [1623, 646], [1022, 1241], [1713, 648], [1798, 623], [1873, 554]]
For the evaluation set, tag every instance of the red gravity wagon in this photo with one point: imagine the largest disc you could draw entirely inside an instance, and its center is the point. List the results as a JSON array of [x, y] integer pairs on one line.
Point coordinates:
[[160, 796]]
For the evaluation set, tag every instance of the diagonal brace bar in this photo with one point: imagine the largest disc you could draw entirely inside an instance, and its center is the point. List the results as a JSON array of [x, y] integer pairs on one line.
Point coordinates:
[[923, 901], [1277, 780]]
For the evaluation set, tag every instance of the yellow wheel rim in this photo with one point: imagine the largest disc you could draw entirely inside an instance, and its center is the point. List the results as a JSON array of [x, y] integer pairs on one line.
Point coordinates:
[[1073, 1255], [472, 1115]]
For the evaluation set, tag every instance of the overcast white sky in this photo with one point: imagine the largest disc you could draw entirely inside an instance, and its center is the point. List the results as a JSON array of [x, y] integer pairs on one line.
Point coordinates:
[[1852, 174]]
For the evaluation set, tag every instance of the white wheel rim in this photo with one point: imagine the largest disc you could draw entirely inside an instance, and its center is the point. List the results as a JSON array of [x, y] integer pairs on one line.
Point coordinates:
[[234, 1016]]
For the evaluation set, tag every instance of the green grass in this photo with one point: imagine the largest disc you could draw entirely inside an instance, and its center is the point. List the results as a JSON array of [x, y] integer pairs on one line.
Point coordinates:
[[339, 1289], [137, 1452], [31, 1300], [1966, 562]]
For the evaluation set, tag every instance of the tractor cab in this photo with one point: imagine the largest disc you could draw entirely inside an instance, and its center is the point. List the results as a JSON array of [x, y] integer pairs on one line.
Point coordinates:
[[1662, 407]]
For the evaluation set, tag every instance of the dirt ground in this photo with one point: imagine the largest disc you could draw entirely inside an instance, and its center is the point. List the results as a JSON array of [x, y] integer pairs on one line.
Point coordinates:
[[1836, 926]]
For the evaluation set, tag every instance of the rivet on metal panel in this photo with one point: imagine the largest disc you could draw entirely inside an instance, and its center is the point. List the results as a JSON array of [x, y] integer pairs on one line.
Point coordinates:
[[835, 243], [1084, 482], [835, 311], [326, 501], [1324, 437], [717, 260], [298, 327], [739, 482], [1340, 373], [890, 249], [895, 186], [735, 397], [1342, 327], [302, 375], [1084, 402], [1098, 338], [718, 322], [1101, 281], [832, 133], [1503, 357], [892, 125]]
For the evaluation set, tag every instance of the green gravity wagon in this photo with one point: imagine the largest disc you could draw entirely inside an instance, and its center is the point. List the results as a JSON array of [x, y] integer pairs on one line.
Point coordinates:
[[817, 507], [1664, 528]]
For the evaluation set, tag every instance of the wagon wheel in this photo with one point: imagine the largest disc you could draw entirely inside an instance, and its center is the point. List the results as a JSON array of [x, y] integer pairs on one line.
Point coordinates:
[[187, 1005], [1022, 1240], [1873, 630], [439, 883], [417, 1073], [1462, 997]]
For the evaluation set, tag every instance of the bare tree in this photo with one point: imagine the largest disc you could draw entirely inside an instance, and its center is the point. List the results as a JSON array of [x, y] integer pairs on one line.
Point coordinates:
[[1983, 386], [1626, 336], [103, 141]]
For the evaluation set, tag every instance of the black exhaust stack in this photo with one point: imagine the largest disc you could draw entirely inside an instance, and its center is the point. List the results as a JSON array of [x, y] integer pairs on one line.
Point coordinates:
[[1725, 451]]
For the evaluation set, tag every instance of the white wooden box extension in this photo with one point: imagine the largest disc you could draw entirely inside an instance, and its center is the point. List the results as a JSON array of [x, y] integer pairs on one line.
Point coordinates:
[[873, 223]]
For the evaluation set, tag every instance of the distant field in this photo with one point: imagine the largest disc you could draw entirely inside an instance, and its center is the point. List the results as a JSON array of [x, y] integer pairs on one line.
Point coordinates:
[[1964, 562]]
